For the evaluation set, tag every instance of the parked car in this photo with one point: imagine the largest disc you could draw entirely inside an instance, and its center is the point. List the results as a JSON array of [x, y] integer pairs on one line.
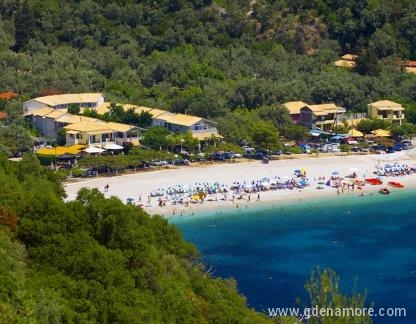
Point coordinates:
[[237, 155], [158, 163], [355, 149], [229, 155], [397, 147], [276, 152], [218, 156], [406, 144], [305, 148]]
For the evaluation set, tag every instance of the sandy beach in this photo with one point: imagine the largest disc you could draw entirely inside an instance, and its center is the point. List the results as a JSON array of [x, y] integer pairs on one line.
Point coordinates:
[[139, 185]]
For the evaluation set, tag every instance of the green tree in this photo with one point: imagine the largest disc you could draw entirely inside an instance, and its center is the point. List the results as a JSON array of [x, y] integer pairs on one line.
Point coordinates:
[[156, 138], [405, 130], [73, 109], [296, 132], [16, 138], [324, 292], [367, 63], [190, 142], [276, 114], [24, 24], [263, 134], [61, 137]]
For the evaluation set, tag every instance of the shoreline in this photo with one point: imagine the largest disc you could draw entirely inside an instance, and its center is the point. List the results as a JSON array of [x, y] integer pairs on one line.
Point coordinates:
[[139, 185]]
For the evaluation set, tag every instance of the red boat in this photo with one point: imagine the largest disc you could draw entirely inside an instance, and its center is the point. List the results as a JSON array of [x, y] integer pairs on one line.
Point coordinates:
[[373, 181], [395, 184]]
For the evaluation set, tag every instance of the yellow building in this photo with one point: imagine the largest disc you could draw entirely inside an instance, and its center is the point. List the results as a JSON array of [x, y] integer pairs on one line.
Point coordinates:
[[100, 133], [386, 110], [294, 108], [63, 101], [322, 116]]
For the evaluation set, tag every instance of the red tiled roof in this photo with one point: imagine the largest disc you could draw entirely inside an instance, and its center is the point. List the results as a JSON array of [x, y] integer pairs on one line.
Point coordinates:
[[7, 95], [3, 115], [411, 63]]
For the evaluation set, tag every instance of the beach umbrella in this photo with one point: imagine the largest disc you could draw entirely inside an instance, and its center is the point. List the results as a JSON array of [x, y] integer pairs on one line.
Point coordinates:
[[381, 133], [335, 173], [130, 201], [355, 133]]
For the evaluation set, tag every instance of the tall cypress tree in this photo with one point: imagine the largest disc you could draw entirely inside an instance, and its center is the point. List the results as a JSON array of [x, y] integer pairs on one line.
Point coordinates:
[[24, 24]]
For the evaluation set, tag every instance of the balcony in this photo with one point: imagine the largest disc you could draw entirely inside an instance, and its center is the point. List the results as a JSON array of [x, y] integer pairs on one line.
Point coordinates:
[[207, 130], [324, 122]]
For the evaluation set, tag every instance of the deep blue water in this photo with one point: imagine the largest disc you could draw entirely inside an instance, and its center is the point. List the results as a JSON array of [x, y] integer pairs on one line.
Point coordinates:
[[369, 241]]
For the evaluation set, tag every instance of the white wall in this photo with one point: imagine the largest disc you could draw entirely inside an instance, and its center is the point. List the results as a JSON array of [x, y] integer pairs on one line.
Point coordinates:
[[32, 105]]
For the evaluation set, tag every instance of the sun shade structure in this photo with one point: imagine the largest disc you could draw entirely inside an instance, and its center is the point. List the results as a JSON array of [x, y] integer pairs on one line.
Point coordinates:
[[61, 150], [381, 133], [112, 146], [93, 149], [355, 133]]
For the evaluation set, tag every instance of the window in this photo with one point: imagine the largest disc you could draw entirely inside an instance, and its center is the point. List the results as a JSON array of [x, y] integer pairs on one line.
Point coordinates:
[[200, 127]]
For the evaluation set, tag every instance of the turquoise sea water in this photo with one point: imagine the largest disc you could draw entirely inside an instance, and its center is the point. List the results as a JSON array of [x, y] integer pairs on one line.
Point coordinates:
[[271, 250]]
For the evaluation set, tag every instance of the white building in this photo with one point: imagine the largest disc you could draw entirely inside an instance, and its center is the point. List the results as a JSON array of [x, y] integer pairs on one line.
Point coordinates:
[[84, 100]]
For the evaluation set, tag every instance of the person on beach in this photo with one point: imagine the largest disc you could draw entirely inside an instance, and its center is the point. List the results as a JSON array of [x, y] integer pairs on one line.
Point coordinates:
[[106, 187]]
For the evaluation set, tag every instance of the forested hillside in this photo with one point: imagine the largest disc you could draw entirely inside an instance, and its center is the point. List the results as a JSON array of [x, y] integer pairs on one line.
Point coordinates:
[[209, 57], [96, 260]]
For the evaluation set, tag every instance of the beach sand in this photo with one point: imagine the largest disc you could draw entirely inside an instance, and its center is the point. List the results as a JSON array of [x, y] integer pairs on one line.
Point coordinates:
[[139, 185]]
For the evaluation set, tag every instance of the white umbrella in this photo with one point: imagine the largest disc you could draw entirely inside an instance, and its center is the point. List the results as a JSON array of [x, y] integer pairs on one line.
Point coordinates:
[[112, 146], [93, 149]]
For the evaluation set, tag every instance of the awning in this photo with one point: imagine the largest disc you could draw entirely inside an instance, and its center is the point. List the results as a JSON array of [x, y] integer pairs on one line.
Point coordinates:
[[206, 135], [111, 146], [60, 150], [93, 149], [72, 132]]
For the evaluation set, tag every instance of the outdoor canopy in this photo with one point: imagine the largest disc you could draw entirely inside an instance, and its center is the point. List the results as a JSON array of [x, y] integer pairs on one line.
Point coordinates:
[[355, 133], [381, 133], [93, 149], [112, 146]]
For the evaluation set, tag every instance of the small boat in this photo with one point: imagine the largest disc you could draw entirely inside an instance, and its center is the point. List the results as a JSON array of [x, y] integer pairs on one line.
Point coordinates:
[[395, 184], [384, 191], [373, 181]]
